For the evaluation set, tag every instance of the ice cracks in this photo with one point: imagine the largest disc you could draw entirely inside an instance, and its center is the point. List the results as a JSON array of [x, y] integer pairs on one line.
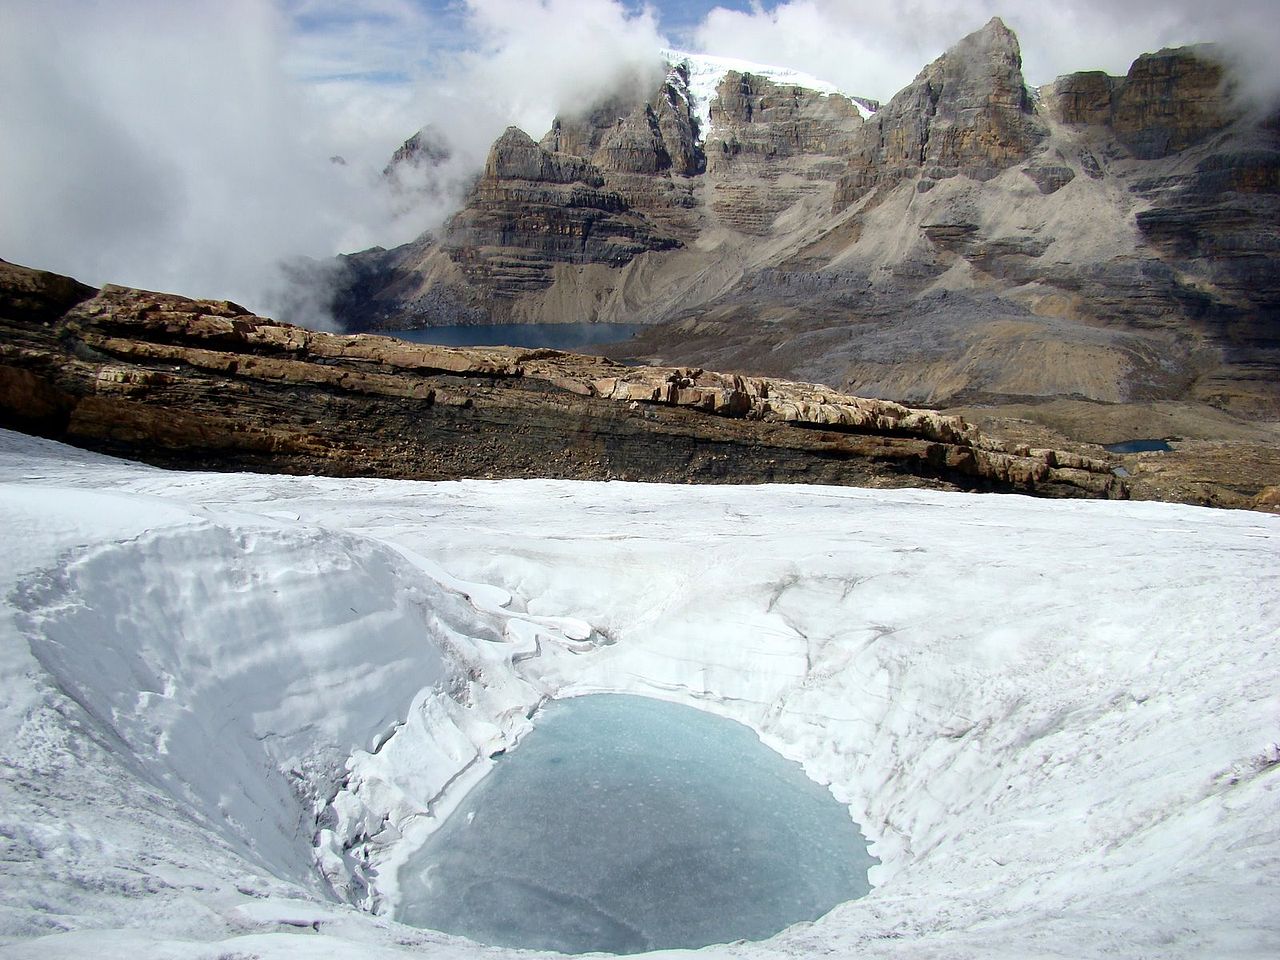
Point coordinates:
[[399, 791]]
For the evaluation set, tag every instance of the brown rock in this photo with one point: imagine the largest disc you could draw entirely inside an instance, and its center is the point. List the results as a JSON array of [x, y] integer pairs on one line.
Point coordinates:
[[1082, 98], [533, 209], [772, 146], [967, 113], [202, 384], [1169, 101]]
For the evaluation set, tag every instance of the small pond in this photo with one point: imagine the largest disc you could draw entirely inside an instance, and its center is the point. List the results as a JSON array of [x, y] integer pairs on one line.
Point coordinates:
[[623, 824], [1138, 446], [554, 336]]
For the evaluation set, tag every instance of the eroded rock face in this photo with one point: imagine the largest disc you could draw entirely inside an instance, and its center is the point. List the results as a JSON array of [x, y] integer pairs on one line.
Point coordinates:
[[1169, 101], [655, 137], [1082, 98], [755, 115], [205, 384], [532, 209], [774, 145], [967, 113], [1114, 240]]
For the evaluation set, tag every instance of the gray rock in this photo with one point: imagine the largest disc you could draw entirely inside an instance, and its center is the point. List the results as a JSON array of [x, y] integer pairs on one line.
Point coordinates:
[[968, 113]]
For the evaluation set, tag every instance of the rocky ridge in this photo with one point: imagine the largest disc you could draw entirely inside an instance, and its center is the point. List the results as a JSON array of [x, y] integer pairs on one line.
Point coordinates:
[[205, 384], [771, 147], [1109, 238], [1169, 101]]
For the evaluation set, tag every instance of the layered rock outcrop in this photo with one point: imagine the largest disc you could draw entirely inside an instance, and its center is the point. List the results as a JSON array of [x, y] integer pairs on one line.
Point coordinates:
[[627, 135], [647, 150], [772, 146], [205, 384], [532, 209], [969, 112], [1112, 239], [1169, 101]]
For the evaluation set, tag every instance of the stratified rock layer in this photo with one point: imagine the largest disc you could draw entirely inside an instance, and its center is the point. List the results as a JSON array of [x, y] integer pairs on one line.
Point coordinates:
[[774, 145], [532, 209], [967, 113], [1107, 238], [1169, 101], [206, 384]]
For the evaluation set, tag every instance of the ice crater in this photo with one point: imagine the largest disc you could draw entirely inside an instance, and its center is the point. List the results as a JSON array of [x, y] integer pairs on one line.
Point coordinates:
[[623, 824]]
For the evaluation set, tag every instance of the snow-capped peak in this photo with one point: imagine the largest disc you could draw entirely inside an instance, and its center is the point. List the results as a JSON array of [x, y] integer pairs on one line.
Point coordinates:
[[706, 71]]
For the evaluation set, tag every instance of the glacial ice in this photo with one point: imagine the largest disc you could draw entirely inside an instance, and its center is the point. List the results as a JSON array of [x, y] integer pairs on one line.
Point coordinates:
[[232, 706], [622, 824]]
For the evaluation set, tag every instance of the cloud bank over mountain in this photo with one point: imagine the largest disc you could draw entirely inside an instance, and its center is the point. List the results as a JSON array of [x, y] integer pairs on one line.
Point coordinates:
[[188, 147]]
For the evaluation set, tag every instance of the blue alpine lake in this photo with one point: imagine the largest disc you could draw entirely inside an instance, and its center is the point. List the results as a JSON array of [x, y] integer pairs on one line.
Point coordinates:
[[553, 336], [1138, 446], [622, 824]]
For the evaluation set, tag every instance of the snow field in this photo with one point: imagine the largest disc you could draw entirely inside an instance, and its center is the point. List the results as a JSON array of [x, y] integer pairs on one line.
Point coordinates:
[[232, 702]]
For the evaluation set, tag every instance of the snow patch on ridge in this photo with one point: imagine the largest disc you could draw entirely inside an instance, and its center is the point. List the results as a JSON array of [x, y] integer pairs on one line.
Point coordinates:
[[706, 72]]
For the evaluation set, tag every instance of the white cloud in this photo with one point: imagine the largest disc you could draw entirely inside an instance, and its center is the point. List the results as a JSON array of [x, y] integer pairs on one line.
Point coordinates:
[[186, 147], [527, 60], [352, 39], [163, 145]]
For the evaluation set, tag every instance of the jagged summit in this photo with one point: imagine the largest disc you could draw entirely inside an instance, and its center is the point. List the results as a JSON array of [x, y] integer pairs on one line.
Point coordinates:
[[969, 112], [515, 156]]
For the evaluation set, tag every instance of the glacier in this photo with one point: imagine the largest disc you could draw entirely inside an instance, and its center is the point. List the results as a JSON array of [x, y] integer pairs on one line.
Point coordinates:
[[706, 71], [234, 706]]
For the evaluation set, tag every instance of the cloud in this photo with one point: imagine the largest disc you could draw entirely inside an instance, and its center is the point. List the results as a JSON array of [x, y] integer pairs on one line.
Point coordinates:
[[163, 145], [186, 147], [378, 40], [875, 49], [528, 60]]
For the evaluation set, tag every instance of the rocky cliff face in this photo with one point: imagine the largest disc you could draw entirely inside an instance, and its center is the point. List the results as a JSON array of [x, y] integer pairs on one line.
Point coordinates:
[[772, 147], [1168, 102], [968, 113], [1111, 238], [532, 209], [626, 135]]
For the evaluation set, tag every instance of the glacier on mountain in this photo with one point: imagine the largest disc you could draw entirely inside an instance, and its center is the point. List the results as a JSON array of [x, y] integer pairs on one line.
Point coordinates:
[[705, 73]]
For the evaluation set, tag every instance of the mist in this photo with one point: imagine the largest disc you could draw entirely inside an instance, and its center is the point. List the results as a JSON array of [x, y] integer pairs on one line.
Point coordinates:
[[195, 148]]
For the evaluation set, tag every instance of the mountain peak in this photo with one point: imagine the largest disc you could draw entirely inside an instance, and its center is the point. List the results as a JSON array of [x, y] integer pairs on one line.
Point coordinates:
[[995, 41], [968, 112]]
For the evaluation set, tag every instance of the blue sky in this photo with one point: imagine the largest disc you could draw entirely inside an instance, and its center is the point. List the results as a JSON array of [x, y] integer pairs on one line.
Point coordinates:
[[410, 35], [680, 17]]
